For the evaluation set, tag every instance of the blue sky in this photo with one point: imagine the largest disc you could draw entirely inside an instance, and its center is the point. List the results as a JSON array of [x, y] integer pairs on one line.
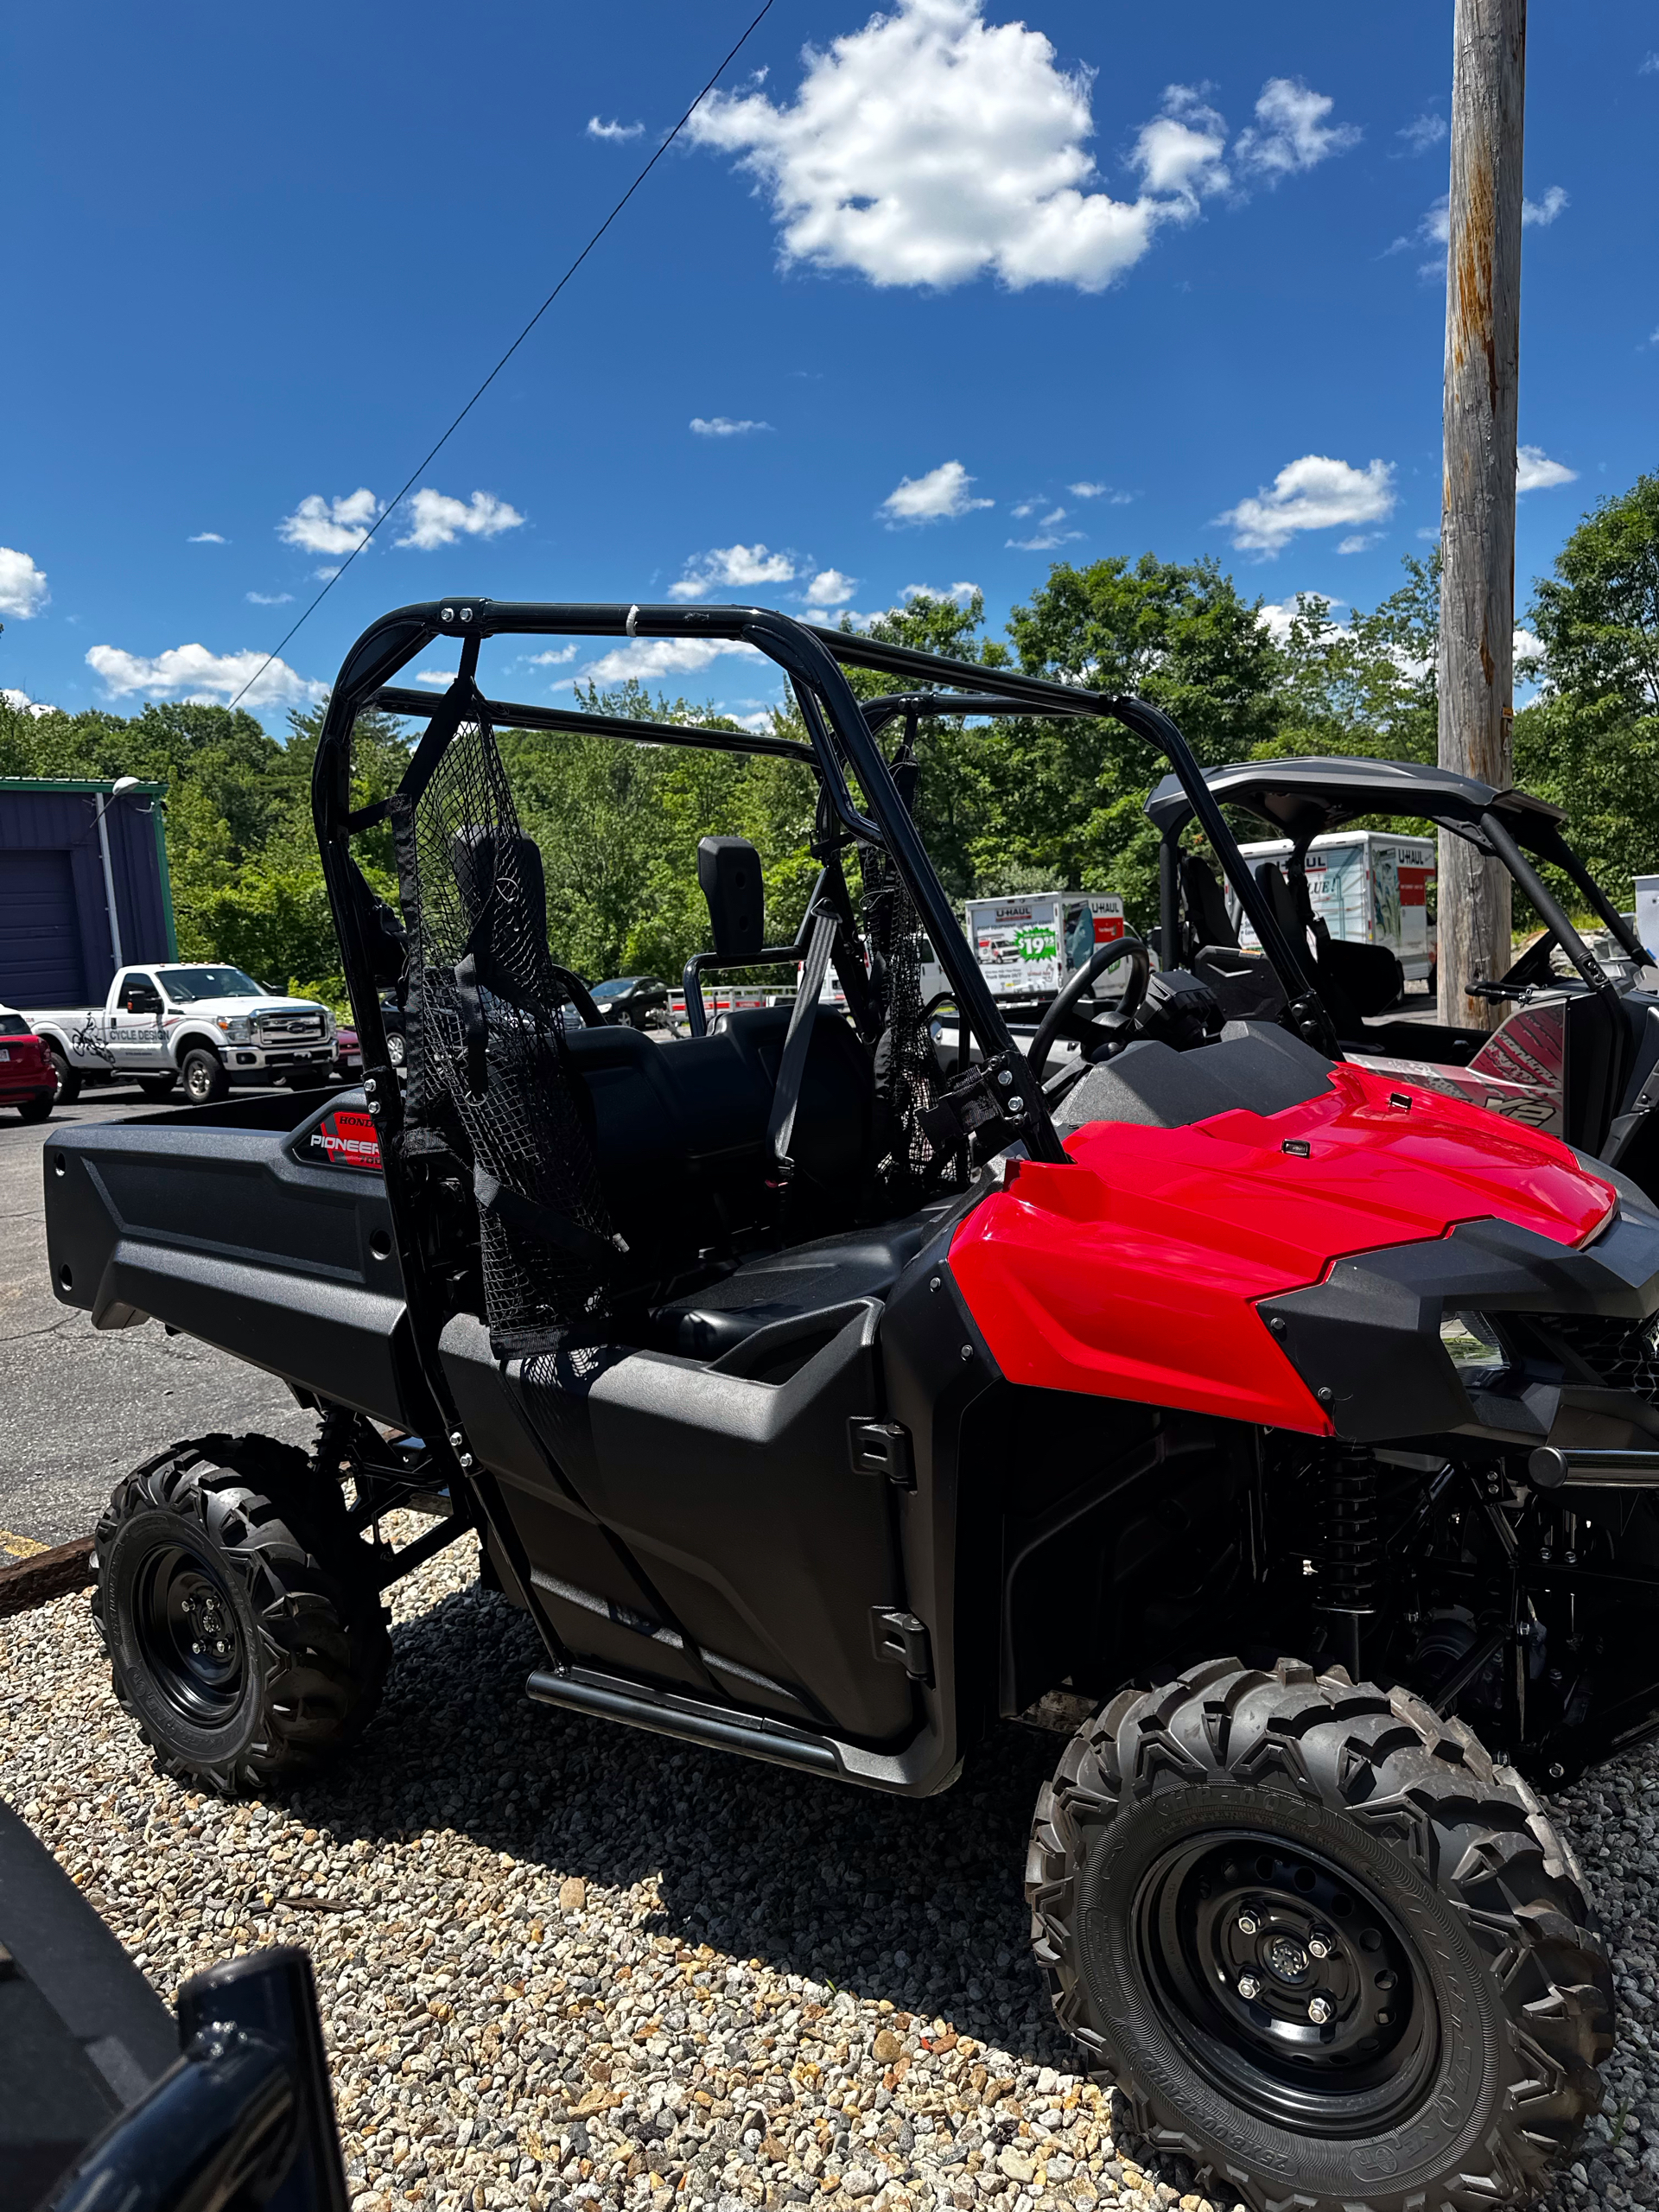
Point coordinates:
[[963, 291]]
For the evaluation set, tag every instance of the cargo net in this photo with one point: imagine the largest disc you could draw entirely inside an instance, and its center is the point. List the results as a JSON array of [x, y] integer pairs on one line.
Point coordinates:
[[910, 1167], [489, 1076]]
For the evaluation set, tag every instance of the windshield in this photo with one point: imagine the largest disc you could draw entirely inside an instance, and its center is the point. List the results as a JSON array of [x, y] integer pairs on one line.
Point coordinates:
[[188, 985], [617, 983], [13, 1024]]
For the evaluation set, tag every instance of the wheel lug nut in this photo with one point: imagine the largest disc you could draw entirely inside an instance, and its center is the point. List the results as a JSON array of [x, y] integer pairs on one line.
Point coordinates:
[[1319, 1947], [1247, 1923], [1249, 1987], [1318, 2010], [196, 1647]]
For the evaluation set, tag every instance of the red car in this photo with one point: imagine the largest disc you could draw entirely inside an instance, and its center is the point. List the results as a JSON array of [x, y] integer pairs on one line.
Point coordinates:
[[27, 1079]]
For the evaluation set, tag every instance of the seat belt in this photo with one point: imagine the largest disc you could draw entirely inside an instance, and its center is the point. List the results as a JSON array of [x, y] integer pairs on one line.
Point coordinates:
[[797, 1039]]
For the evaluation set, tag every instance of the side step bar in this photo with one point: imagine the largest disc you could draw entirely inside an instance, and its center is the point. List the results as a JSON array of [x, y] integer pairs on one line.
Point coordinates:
[[918, 1771], [1551, 1468]]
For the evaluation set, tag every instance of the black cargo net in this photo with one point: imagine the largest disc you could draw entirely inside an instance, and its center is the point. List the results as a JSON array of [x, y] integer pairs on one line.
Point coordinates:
[[907, 1083], [489, 1077]]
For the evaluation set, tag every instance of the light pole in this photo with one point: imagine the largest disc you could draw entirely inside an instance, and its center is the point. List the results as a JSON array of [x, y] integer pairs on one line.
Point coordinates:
[[121, 783]]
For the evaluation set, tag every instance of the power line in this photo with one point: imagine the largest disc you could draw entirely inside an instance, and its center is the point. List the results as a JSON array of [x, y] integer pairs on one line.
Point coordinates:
[[425, 463]]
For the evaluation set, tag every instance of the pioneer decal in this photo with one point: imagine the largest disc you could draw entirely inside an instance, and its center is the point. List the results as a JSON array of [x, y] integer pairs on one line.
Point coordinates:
[[346, 1137]]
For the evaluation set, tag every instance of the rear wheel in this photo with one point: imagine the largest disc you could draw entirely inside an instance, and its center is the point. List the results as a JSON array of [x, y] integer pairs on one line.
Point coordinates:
[[239, 1610], [1330, 1952], [68, 1078], [38, 1108], [397, 1049], [203, 1076]]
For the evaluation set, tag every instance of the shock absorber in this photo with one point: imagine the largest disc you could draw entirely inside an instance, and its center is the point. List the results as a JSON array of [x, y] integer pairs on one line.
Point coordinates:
[[1349, 1560]]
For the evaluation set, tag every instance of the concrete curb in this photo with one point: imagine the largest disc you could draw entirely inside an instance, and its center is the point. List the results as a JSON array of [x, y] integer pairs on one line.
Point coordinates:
[[30, 1582]]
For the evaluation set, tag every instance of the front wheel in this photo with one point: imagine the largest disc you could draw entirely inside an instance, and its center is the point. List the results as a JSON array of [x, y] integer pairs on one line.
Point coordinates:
[[68, 1077], [1330, 1952], [240, 1611], [204, 1077]]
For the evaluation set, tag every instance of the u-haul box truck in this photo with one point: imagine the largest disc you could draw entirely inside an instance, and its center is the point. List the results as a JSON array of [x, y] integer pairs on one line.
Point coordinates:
[[1368, 887]]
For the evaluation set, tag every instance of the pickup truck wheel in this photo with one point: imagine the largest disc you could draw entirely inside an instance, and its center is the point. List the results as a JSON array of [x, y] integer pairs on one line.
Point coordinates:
[[204, 1076], [68, 1077], [239, 1611], [1330, 1952]]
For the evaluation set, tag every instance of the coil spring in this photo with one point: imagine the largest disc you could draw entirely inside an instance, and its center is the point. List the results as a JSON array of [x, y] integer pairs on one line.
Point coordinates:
[[1349, 1558]]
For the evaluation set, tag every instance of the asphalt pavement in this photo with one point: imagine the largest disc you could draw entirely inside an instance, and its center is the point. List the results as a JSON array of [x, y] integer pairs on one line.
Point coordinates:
[[80, 1406]]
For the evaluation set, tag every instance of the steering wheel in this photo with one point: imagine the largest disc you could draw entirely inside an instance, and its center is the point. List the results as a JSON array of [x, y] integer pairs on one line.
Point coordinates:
[[1094, 1033]]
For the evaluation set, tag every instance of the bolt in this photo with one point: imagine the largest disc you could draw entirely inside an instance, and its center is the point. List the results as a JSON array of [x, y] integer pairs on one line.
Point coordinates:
[[219, 1647], [1319, 1947], [936, 1282], [1318, 2010], [1556, 1771], [1016, 1105], [448, 614], [1277, 1325], [1249, 1987], [1004, 1077], [465, 1459], [1247, 1923], [1324, 1393], [966, 1351], [196, 1647], [456, 1437]]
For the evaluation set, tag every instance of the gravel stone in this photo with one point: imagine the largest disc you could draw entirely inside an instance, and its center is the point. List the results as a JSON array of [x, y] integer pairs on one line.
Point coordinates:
[[566, 1964]]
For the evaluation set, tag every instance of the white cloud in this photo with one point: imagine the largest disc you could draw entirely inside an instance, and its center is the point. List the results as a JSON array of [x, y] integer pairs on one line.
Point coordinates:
[[930, 147], [192, 672], [321, 526], [760, 720], [940, 496], [723, 426], [1277, 615], [1358, 543], [22, 704], [555, 657], [269, 598], [1314, 493], [598, 130], [964, 593], [1085, 491], [1544, 210], [1179, 152], [206, 537], [437, 676], [1649, 65], [1291, 133], [731, 568], [1048, 535], [1422, 132], [649, 659], [325, 575], [1524, 647], [436, 520], [23, 586], [830, 587], [1535, 472]]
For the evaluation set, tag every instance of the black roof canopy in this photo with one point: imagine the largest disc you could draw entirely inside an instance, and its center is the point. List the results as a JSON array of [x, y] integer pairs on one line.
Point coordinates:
[[1304, 797]]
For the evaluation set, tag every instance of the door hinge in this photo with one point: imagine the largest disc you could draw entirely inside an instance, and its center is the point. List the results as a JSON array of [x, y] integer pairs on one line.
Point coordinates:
[[901, 1639], [881, 1447]]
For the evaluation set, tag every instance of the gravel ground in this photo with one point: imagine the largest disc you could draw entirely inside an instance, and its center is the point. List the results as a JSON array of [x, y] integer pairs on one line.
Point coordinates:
[[563, 1963]]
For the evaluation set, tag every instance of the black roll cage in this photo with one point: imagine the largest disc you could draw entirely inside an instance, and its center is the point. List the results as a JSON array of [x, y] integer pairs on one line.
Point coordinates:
[[841, 750]]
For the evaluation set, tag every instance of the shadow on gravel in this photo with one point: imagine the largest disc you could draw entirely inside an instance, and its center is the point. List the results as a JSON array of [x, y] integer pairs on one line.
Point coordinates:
[[918, 1901]]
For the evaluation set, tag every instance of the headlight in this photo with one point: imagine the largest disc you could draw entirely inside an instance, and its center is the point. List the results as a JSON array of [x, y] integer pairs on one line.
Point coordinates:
[[1471, 1341], [239, 1027]]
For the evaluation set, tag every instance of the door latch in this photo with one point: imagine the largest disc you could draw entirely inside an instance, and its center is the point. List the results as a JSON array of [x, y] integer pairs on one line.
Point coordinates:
[[881, 1447], [901, 1638]]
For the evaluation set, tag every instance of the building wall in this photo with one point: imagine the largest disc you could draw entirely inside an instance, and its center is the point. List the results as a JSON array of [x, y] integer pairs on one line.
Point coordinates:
[[54, 920]]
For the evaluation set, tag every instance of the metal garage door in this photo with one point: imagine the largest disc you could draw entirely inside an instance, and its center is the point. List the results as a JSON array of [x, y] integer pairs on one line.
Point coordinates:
[[40, 939]]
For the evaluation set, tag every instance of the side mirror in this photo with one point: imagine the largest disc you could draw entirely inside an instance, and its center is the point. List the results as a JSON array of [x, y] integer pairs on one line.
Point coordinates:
[[729, 869]]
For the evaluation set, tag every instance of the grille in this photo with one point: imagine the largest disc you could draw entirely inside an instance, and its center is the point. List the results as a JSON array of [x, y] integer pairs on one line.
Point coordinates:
[[1623, 1353], [288, 1028]]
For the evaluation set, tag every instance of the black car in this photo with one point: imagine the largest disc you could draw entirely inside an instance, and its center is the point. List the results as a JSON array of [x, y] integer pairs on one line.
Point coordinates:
[[632, 1001]]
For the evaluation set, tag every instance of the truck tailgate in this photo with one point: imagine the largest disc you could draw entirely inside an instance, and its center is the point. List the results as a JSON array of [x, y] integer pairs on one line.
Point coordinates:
[[225, 1229]]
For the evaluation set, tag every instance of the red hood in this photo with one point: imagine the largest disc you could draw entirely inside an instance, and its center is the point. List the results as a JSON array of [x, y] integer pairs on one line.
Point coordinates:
[[1139, 1278]]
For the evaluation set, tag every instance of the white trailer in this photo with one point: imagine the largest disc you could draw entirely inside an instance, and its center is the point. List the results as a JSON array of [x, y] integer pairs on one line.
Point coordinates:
[[1368, 887], [1027, 947]]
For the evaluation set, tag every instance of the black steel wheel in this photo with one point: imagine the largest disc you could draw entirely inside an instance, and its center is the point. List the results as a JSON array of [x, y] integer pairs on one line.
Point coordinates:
[[239, 1611], [1328, 1951]]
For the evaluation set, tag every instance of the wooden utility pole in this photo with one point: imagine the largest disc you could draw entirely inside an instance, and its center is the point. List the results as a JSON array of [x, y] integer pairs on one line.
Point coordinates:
[[1483, 349]]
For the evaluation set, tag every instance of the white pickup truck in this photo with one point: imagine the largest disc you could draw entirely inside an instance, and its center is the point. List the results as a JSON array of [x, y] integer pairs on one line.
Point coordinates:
[[205, 1027]]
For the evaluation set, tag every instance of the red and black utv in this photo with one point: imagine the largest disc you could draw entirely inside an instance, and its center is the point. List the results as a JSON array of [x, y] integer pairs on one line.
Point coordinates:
[[824, 1403]]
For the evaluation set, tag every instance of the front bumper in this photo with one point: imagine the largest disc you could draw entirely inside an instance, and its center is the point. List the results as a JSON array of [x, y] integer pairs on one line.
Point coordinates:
[[245, 1059]]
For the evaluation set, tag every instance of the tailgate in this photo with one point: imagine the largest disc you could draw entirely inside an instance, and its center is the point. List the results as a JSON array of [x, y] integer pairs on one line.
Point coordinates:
[[274, 1244]]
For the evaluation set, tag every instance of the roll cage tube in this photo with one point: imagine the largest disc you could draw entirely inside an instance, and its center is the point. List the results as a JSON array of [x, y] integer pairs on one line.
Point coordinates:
[[1551, 915], [1007, 687]]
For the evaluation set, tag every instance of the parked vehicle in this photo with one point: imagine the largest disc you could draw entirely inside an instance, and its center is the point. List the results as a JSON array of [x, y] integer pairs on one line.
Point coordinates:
[[111, 2100], [1295, 1420], [391, 1024], [637, 1001], [202, 1025], [1366, 887], [1027, 946], [349, 1053], [28, 1078], [1575, 1056]]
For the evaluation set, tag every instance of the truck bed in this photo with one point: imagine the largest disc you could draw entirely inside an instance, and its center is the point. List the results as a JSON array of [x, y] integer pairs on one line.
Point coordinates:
[[258, 1225]]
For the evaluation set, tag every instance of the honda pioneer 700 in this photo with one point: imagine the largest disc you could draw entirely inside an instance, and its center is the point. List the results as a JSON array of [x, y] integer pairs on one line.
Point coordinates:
[[823, 1401]]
